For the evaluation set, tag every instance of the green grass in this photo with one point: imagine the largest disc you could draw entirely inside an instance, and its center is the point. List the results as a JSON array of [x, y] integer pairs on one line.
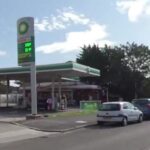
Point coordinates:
[[69, 114]]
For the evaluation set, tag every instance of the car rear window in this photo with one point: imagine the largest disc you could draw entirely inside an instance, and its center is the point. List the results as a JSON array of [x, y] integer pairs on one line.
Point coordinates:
[[110, 107], [140, 102]]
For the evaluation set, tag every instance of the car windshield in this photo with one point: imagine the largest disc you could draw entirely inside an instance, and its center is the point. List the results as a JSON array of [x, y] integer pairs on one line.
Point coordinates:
[[110, 107], [140, 102]]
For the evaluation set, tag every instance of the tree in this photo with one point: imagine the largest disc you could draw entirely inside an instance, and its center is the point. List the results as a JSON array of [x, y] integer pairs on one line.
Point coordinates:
[[145, 88], [93, 57], [137, 58], [124, 68], [108, 60]]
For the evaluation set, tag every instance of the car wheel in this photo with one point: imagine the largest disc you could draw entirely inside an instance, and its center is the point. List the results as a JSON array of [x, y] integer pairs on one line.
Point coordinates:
[[124, 121], [140, 118]]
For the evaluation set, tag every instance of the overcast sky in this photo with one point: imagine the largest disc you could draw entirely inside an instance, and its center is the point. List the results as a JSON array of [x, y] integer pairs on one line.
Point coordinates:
[[62, 27]]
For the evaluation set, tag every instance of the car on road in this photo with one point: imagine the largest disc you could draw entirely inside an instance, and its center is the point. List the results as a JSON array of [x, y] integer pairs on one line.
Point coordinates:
[[119, 112], [143, 104]]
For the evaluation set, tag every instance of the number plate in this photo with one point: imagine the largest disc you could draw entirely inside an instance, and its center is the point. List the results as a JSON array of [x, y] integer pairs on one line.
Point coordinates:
[[107, 117]]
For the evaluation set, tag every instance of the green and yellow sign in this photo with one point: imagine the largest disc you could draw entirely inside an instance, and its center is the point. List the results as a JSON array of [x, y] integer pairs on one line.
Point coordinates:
[[90, 105], [25, 37], [23, 27]]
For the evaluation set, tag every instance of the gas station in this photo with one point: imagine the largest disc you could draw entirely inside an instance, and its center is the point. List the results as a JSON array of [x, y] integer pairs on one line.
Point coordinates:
[[56, 74], [29, 73]]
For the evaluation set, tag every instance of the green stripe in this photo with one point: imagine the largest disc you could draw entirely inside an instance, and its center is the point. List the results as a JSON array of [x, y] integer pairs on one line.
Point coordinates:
[[51, 67]]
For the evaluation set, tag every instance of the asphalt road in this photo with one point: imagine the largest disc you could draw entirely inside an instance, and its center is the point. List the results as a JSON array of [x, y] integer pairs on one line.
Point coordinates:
[[131, 137]]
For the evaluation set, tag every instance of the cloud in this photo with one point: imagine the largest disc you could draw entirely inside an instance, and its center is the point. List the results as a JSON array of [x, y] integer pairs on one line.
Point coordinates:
[[63, 19], [74, 18], [95, 34], [134, 8], [2, 53]]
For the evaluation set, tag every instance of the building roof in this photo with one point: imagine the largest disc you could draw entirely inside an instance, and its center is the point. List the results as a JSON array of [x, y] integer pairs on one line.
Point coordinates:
[[48, 72]]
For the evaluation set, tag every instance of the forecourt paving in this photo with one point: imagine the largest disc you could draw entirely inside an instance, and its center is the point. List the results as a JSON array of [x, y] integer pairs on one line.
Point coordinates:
[[53, 124], [60, 124]]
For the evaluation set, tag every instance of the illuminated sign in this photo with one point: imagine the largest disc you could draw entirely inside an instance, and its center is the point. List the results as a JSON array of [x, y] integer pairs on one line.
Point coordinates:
[[28, 47], [25, 35]]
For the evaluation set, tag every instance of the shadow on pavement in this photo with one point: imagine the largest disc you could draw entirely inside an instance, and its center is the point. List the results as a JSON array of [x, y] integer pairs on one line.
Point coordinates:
[[105, 126], [109, 126]]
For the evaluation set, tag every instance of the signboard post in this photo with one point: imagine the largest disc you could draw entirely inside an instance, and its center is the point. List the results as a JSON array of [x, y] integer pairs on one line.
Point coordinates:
[[26, 54]]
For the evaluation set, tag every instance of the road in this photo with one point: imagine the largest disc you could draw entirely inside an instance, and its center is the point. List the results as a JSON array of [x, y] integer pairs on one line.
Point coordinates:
[[131, 137]]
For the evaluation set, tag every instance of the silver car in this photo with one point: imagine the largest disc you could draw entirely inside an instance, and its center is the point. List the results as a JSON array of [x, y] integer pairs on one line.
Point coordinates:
[[119, 112]]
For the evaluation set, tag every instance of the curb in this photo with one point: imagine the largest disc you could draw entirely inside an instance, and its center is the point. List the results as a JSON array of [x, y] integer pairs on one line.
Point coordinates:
[[5, 121], [61, 130], [9, 122]]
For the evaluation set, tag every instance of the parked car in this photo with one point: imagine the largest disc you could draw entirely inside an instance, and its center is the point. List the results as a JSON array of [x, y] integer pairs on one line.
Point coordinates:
[[143, 104], [119, 112]]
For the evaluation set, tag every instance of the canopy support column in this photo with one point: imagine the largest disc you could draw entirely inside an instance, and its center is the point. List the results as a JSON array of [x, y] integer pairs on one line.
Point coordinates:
[[7, 93], [53, 93], [24, 96], [72, 99], [59, 89], [33, 89]]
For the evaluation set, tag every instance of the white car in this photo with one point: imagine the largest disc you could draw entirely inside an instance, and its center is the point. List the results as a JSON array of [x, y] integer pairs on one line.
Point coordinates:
[[119, 112]]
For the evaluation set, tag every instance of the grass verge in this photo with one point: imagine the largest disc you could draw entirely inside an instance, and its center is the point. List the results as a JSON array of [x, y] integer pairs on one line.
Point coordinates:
[[69, 114]]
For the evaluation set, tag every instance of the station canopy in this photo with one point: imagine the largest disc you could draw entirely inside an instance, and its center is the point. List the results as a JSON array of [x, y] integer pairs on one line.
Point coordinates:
[[46, 73]]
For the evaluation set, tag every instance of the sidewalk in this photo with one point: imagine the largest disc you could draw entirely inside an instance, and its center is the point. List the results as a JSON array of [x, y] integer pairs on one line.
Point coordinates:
[[56, 122], [9, 115], [12, 133]]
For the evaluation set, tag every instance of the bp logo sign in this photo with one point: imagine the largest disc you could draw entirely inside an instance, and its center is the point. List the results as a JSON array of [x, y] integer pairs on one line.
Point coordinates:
[[25, 41], [23, 27]]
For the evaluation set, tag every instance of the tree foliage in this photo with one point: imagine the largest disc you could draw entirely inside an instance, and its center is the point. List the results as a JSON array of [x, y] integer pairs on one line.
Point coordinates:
[[137, 57], [123, 68]]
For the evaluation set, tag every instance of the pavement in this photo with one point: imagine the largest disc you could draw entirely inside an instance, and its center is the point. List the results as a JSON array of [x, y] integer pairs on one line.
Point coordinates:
[[12, 133], [9, 115], [46, 124]]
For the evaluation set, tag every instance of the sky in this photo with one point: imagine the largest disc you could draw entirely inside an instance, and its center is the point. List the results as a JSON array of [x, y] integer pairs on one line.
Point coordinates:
[[63, 27]]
